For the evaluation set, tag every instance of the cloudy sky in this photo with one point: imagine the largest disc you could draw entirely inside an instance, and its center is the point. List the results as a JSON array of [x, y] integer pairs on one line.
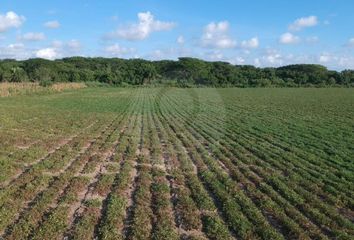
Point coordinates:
[[257, 32]]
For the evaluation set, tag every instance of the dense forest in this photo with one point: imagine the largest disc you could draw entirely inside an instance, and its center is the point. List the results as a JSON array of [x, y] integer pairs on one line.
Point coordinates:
[[183, 73]]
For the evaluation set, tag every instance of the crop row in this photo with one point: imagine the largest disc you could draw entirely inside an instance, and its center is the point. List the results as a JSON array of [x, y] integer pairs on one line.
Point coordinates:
[[200, 129]]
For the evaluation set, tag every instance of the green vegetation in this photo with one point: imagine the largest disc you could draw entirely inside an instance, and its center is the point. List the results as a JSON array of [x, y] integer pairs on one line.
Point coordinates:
[[186, 72], [173, 163], [27, 88]]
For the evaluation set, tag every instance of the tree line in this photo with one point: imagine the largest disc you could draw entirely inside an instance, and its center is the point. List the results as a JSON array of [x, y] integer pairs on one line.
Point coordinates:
[[185, 72]]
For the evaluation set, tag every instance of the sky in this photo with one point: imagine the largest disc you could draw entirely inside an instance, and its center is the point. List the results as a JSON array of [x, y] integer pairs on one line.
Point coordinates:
[[256, 32]]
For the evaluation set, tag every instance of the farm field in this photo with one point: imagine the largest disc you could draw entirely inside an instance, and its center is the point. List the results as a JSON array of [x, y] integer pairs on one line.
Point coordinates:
[[169, 163]]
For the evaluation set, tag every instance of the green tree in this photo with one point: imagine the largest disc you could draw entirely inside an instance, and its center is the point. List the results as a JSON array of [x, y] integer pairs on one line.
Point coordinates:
[[18, 75]]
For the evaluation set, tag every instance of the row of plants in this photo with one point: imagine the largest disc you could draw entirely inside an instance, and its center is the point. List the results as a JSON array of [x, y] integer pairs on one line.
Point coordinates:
[[140, 224], [85, 225], [213, 225], [33, 180], [234, 148], [116, 204], [40, 206], [288, 163]]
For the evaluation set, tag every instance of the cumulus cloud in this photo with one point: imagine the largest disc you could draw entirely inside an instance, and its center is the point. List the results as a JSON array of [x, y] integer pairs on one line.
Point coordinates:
[[216, 35], [180, 40], [32, 36], [303, 22], [271, 57], [252, 43], [59, 49], [116, 50], [289, 38], [274, 59], [142, 29], [52, 24], [14, 51], [214, 55], [257, 62], [268, 57], [47, 53], [10, 20], [336, 60], [238, 61], [324, 58]]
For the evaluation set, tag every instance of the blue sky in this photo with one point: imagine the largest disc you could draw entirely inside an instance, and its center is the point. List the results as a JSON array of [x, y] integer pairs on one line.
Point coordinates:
[[257, 32]]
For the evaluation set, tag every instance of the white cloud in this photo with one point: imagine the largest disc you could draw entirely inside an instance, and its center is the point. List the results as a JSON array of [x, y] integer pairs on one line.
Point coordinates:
[[74, 45], [117, 51], [171, 53], [346, 62], [303, 22], [270, 57], [324, 58], [214, 56], [47, 53], [350, 42], [14, 51], [274, 59], [65, 49], [32, 36], [52, 24], [216, 35], [165, 53], [289, 38], [16, 46], [142, 30], [59, 49], [157, 54], [220, 55], [10, 20], [335, 60], [180, 40], [252, 43], [238, 61], [257, 62]]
